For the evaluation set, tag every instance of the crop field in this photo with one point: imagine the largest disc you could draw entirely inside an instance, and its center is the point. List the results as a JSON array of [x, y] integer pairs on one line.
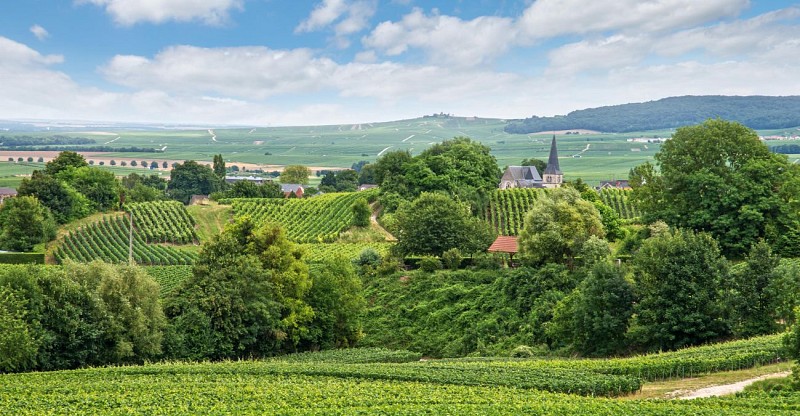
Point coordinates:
[[617, 199], [308, 220], [318, 253], [370, 381], [168, 277], [590, 156], [154, 222]]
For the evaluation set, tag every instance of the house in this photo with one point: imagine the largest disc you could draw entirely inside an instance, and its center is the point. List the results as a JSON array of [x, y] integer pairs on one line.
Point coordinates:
[[289, 188], [528, 176], [7, 193], [614, 184], [366, 186]]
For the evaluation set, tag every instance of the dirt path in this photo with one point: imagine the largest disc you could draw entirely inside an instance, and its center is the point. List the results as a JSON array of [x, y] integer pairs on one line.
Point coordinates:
[[726, 388], [375, 225]]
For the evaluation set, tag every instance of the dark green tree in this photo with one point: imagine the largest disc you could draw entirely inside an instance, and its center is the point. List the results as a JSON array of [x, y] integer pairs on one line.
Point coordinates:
[[434, 223], [99, 186], [246, 297], [593, 319], [63, 161], [361, 213], [720, 178], [64, 202], [24, 222], [753, 304], [367, 175], [539, 164], [219, 167], [191, 178], [679, 278], [346, 180], [338, 303]]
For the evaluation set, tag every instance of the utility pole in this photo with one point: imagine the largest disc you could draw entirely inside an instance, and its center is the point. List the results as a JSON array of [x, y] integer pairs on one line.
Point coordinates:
[[130, 240]]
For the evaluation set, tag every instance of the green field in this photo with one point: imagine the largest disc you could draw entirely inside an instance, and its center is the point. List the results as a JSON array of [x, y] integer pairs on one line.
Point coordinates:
[[378, 381], [593, 157]]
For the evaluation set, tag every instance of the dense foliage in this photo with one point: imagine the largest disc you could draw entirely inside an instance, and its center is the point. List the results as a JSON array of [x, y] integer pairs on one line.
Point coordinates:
[[79, 315], [434, 223], [755, 112], [191, 178], [718, 177], [24, 222], [557, 226], [460, 167]]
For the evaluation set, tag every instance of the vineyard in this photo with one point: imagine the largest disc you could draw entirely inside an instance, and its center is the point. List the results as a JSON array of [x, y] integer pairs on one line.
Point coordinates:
[[163, 222], [311, 220], [108, 240], [318, 253], [617, 199], [168, 277], [376, 381], [507, 208]]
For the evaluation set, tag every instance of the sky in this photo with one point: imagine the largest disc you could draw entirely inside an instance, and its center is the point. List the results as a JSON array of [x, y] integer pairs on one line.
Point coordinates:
[[296, 62]]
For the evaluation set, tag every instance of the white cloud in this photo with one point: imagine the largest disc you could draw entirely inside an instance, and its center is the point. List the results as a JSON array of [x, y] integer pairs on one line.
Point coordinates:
[[40, 32], [551, 18], [346, 17], [130, 12], [446, 39]]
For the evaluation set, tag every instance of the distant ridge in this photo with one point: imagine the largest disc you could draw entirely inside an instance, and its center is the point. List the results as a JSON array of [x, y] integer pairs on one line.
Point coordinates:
[[757, 112]]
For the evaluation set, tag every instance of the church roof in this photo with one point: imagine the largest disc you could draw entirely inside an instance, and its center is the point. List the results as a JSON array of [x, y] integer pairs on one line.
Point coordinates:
[[552, 163], [527, 173]]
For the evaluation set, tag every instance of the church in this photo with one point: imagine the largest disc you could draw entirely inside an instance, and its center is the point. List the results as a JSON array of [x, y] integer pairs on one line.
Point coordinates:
[[528, 176]]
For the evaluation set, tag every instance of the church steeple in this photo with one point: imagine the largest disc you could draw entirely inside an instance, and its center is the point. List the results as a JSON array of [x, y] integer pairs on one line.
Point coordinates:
[[552, 173]]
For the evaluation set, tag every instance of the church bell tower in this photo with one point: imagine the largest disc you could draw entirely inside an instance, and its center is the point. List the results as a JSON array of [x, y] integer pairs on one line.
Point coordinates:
[[553, 178]]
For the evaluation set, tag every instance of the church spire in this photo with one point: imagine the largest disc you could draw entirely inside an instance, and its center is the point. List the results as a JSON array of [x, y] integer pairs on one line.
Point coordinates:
[[552, 163]]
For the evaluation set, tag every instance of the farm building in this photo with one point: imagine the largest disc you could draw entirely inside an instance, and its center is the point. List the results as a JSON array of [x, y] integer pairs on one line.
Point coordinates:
[[254, 179], [7, 193], [614, 184]]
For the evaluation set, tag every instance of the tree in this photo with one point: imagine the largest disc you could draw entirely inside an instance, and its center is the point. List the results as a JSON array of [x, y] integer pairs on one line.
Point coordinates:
[[134, 163], [63, 161], [191, 178], [64, 202], [593, 319], [720, 178], [367, 175], [679, 278], [346, 180], [434, 223], [361, 213], [338, 303], [100, 187], [131, 302], [295, 174], [753, 304], [539, 164], [24, 223], [557, 226], [219, 167], [245, 297], [164, 164], [154, 165]]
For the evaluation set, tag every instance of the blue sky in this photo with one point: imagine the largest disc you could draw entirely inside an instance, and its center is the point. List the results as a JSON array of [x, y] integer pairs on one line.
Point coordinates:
[[279, 62]]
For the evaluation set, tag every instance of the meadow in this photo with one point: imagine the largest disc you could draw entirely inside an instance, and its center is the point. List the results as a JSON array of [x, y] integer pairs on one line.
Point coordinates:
[[590, 156]]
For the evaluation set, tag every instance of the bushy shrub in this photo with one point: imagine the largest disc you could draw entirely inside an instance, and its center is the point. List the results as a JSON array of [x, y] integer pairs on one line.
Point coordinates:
[[452, 258], [429, 264]]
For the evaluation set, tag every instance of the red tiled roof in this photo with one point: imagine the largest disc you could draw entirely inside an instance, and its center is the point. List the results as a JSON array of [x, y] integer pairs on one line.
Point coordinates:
[[504, 244]]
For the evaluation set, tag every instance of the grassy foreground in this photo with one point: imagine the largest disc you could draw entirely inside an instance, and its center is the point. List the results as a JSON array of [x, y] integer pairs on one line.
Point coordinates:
[[376, 381]]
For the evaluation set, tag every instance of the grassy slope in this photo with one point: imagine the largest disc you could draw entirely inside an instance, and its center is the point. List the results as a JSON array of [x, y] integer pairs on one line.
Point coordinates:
[[211, 219]]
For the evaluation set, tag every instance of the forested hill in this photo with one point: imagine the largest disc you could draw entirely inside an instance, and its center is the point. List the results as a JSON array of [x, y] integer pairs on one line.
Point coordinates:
[[757, 112]]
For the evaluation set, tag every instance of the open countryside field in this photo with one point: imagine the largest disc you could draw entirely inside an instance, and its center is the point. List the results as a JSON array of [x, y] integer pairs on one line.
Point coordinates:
[[592, 157]]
